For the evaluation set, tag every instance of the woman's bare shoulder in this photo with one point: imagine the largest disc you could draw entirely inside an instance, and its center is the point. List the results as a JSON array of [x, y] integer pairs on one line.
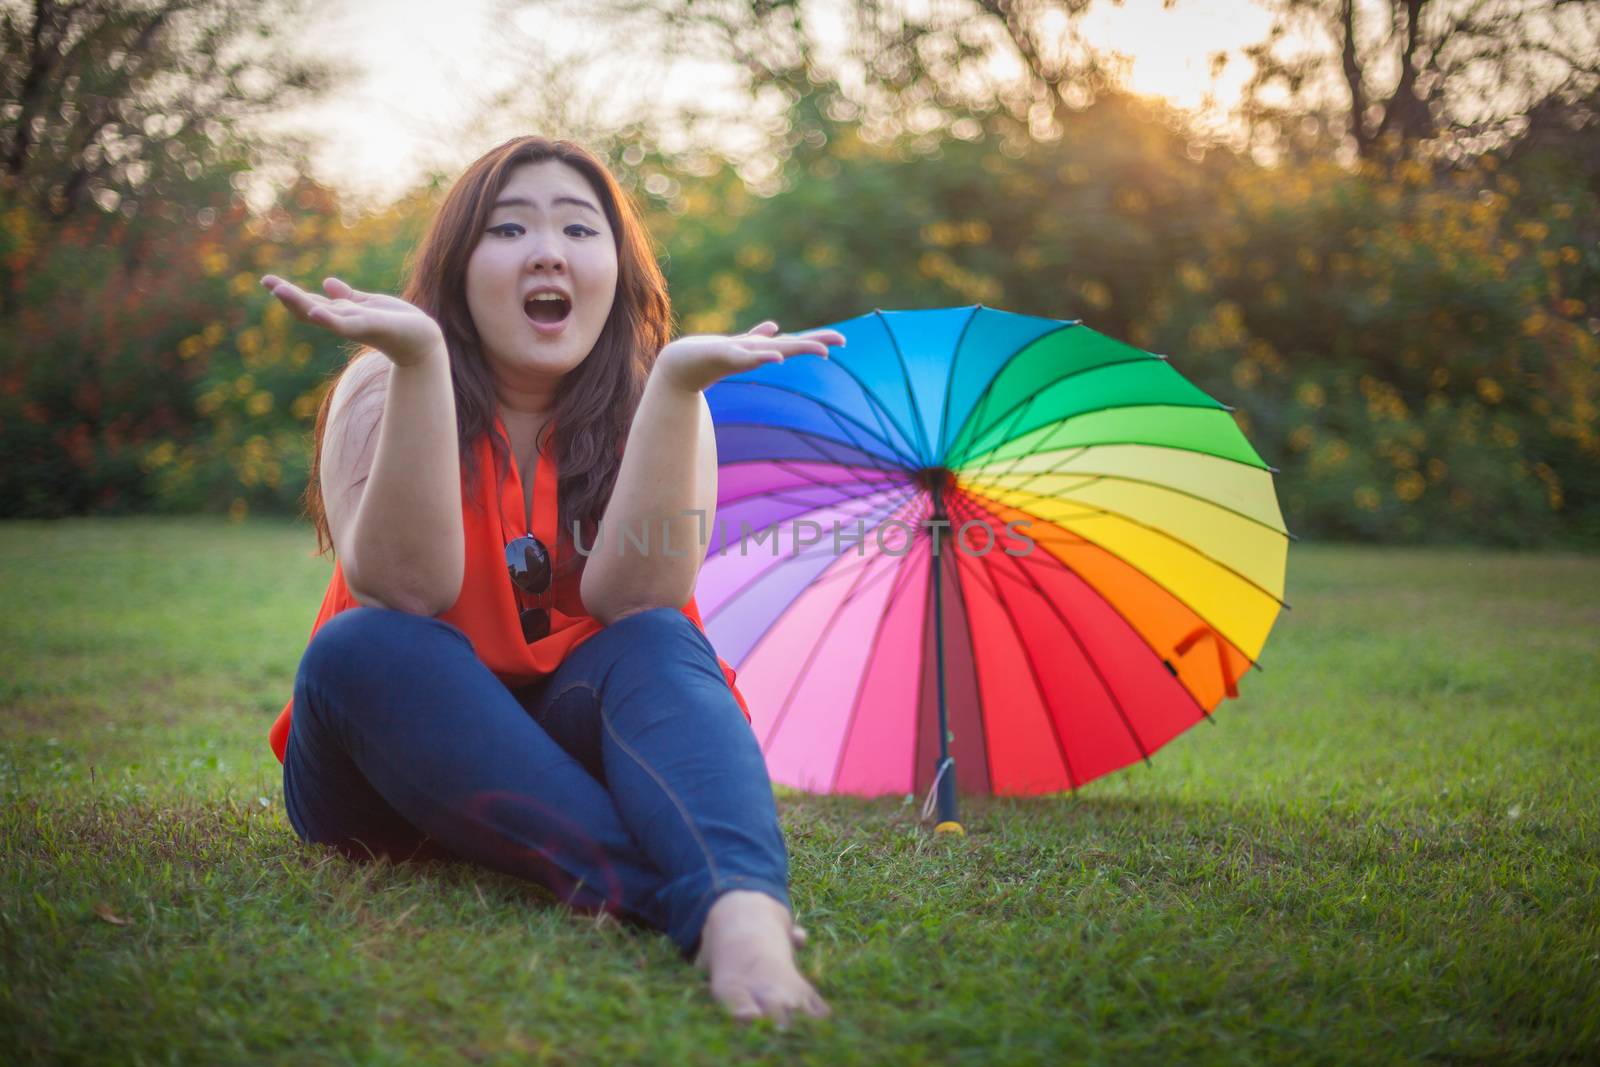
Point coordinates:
[[362, 385], [350, 436]]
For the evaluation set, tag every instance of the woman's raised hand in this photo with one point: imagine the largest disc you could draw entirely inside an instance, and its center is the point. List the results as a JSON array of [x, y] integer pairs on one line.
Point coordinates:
[[695, 363], [403, 332]]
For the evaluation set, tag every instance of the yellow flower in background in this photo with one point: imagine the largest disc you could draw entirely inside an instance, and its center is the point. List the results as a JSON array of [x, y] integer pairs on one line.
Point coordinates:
[[1504, 435], [1096, 294], [1311, 395], [754, 257], [733, 296], [1132, 201], [1246, 374], [1193, 278], [160, 455], [238, 510], [821, 254], [1437, 469], [875, 281], [213, 333], [1301, 438], [1367, 498], [1490, 391], [1569, 254], [1409, 486], [190, 347], [711, 321], [259, 404]]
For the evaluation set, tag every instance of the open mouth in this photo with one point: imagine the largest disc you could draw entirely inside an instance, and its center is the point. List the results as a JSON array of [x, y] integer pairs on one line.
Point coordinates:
[[547, 309]]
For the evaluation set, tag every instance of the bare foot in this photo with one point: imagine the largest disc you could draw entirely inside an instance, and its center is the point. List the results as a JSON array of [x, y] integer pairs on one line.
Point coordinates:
[[747, 946]]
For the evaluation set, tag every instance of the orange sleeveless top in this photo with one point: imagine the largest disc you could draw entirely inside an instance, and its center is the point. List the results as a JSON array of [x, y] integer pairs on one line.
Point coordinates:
[[487, 610]]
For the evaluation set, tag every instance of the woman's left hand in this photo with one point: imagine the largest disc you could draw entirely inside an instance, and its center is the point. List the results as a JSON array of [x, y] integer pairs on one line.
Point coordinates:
[[695, 363]]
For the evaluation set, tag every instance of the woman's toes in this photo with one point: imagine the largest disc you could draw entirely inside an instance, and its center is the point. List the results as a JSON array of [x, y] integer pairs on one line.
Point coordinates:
[[798, 935]]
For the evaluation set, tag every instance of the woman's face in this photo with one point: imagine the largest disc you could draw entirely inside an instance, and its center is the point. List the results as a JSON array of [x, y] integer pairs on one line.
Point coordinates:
[[542, 278]]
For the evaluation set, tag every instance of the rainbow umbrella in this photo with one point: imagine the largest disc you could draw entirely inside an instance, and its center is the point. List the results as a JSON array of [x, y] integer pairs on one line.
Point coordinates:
[[976, 541]]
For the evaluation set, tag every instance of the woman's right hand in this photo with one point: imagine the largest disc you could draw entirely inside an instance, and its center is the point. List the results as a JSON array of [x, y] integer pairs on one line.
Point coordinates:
[[402, 331]]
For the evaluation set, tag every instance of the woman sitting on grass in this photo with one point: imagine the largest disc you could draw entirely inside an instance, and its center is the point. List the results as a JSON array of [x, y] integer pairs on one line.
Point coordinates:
[[475, 685]]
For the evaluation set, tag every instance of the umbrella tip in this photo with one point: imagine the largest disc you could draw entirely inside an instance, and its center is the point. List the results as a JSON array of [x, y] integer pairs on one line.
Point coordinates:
[[1291, 536], [1273, 470]]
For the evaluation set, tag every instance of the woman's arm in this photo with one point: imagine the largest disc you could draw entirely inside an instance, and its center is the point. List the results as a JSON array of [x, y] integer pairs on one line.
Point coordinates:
[[666, 485], [668, 477], [391, 468]]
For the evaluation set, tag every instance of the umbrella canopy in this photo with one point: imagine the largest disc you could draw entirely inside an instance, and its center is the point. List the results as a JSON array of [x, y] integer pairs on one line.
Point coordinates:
[[1047, 531]]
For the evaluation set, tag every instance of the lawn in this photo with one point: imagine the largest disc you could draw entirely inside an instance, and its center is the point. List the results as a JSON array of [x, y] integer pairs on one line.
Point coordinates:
[[1387, 851]]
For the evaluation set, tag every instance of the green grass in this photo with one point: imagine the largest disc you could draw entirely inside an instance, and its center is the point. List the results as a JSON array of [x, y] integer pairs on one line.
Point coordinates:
[[1386, 851]]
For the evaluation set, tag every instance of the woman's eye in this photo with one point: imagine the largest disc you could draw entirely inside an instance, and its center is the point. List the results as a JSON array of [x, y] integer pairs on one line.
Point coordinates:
[[583, 231], [504, 226]]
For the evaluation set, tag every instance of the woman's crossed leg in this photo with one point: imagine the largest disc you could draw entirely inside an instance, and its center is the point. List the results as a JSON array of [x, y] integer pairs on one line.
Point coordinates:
[[629, 783]]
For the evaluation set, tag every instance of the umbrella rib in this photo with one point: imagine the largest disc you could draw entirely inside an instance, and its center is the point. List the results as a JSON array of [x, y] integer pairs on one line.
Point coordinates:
[[950, 378], [808, 438], [1054, 424], [1170, 537], [979, 478], [811, 508], [978, 498], [1075, 372], [878, 409], [980, 408], [903, 578], [821, 483], [1033, 673], [740, 591], [1165, 664], [833, 413], [811, 656], [861, 558], [1043, 447], [1072, 631], [905, 374]]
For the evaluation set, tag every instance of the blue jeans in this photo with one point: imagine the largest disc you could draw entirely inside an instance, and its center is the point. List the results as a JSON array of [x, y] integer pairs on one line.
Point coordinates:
[[628, 781]]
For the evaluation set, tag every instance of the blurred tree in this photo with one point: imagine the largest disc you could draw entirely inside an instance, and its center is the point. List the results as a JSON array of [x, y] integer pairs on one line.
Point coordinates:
[[889, 66], [115, 101], [1386, 75]]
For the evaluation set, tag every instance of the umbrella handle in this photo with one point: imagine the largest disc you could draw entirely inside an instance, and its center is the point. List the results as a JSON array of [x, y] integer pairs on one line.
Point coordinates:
[[933, 790]]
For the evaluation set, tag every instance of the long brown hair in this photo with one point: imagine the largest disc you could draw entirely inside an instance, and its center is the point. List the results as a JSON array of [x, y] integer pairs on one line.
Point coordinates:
[[597, 399]]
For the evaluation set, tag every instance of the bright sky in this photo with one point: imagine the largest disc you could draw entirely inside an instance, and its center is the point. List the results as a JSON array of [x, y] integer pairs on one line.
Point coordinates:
[[421, 71]]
